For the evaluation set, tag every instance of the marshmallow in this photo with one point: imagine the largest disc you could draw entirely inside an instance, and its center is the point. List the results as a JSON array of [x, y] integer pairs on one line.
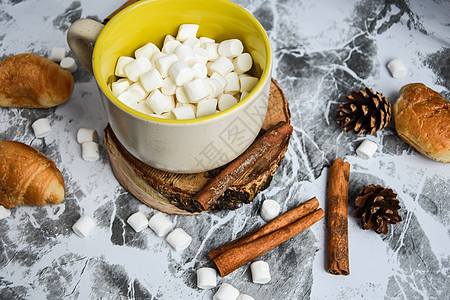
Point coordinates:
[[137, 89], [245, 297], [226, 292], [242, 63], [213, 51], [200, 70], [206, 107], [226, 101], [151, 80], [121, 63], [168, 87], [57, 54], [214, 87], [269, 210], [159, 102], [83, 226], [137, 67], [247, 83], [4, 212], [137, 221], [222, 66], [260, 272], [206, 278], [168, 38], [366, 149], [186, 31], [160, 224], [120, 86], [243, 95], [181, 95], [192, 42], [69, 64], [196, 90], [201, 55], [163, 63], [41, 127], [222, 80], [185, 54], [146, 51], [192, 106], [397, 68], [128, 98], [170, 46], [181, 73], [183, 113], [89, 151], [231, 48], [205, 40], [157, 56], [233, 86], [143, 108], [87, 135], [179, 239]]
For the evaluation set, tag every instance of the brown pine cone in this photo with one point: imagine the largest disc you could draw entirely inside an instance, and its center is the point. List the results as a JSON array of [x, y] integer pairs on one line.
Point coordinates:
[[377, 206], [365, 112]]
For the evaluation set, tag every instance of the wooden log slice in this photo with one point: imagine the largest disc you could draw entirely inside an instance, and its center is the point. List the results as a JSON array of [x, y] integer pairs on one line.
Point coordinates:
[[172, 192]]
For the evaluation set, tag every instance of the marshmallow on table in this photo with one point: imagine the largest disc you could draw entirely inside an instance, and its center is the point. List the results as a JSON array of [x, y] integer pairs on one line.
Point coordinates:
[[186, 31], [151, 80], [137, 221], [183, 113], [4, 212], [222, 66], [83, 226], [185, 54], [137, 67], [120, 86], [242, 63], [164, 62], [231, 48], [87, 135], [146, 51], [196, 90], [159, 102], [41, 127], [89, 151], [57, 54], [226, 101], [168, 87], [260, 272], [160, 224], [179, 239], [397, 68], [226, 292], [206, 107], [137, 89], [366, 149], [233, 85], [206, 278], [269, 210], [247, 83], [121, 63], [245, 297], [181, 73], [69, 64]]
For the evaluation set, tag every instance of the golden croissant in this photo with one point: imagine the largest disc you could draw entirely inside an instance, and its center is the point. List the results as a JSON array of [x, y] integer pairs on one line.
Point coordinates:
[[33, 81], [28, 177]]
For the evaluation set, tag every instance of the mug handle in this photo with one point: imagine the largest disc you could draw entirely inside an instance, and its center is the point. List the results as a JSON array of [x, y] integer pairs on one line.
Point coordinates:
[[81, 38]]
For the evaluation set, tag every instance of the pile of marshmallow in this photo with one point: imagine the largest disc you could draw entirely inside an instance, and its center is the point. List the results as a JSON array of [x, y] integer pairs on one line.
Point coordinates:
[[188, 78]]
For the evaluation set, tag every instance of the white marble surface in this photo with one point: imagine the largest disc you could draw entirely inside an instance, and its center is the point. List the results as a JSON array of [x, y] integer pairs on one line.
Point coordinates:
[[323, 50]]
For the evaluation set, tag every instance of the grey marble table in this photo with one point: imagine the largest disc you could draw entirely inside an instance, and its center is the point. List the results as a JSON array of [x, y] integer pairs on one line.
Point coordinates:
[[323, 50]]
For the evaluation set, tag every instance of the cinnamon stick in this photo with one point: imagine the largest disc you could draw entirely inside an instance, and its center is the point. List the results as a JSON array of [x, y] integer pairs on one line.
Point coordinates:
[[242, 254], [218, 185], [277, 223], [337, 220]]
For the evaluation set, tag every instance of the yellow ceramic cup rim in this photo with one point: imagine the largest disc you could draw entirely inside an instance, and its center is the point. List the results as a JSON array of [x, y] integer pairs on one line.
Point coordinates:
[[264, 76]]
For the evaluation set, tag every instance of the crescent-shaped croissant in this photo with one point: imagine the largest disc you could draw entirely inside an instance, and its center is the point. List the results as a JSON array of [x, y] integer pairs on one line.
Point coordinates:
[[32, 81], [28, 177]]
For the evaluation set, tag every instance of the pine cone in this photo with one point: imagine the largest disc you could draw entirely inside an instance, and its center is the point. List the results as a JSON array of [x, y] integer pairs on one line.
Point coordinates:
[[377, 206], [365, 112]]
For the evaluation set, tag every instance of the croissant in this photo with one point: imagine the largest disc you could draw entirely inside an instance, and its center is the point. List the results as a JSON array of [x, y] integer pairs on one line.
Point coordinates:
[[28, 177], [33, 81]]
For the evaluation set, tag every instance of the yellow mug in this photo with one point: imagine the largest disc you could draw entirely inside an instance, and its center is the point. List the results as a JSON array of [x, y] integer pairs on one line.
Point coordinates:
[[180, 146]]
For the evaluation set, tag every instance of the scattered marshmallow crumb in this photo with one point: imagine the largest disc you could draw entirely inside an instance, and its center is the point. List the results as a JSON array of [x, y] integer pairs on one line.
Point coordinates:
[[83, 226], [4, 212], [90, 151], [260, 272], [138, 221], [179, 239], [206, 278], [397, 68], [226, 292], [41, 127], [69, 64], [366, 149], [57, 54], [269, 210]]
